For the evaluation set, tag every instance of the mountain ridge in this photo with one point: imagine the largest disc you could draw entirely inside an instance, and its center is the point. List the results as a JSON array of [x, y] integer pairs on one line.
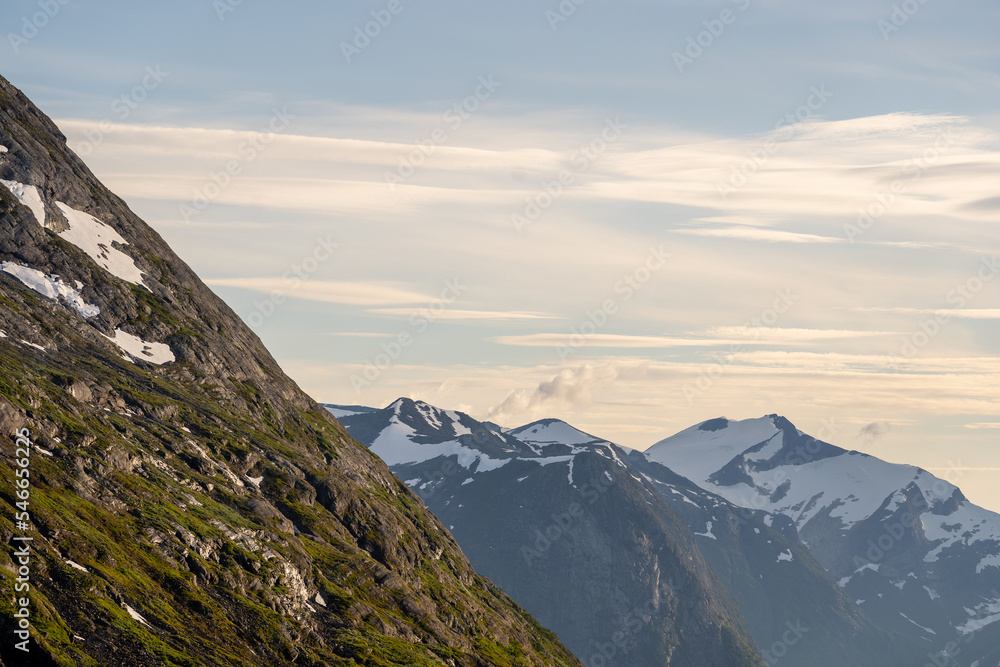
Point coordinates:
[[487, 510], [189, 504], [568, 532], [909, 547]]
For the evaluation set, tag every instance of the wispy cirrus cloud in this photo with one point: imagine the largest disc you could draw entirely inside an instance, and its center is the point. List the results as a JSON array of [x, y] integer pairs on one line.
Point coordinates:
[[714, 337], [760, 234], [770, 235], [836, 362], [612, 340], [962, 313], [778, 334], [342, 292], [824, 168], [359, 334], [460, 314]]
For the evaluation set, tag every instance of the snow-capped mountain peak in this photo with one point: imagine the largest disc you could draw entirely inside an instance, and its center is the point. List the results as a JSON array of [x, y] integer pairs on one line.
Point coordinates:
[[768, 464], [409, 432], [552, 431], [710, 445], [874, 525]]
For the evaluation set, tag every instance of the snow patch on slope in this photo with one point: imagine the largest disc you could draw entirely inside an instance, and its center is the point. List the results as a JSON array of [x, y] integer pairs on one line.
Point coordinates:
[[95, 238], [989, 561], [50, 287], [154, 353], [984, 614], [708, 532], [460, 429], [428, 412], [975, 525], [772, 447], [925, 629], [77, 566], [395, 447], [136, 615], [28, 195]]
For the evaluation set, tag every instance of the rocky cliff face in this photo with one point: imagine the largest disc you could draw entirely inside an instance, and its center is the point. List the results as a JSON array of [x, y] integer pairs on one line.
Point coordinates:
[[189, 504]]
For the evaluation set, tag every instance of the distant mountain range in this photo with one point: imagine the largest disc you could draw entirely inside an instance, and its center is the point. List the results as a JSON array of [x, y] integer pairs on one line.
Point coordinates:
[[823, 557], [556, 519], [915, 554]]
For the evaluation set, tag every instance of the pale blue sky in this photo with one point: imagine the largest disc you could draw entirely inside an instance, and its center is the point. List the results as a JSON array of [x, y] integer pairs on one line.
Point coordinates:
[[914, 108]]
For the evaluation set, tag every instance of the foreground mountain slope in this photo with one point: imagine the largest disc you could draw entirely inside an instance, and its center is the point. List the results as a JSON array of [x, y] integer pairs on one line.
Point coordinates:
[[189, 504], [560, 520], [917, 556]]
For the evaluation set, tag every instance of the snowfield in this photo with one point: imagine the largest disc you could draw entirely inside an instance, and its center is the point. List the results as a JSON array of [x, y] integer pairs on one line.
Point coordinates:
[[95, 238]]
